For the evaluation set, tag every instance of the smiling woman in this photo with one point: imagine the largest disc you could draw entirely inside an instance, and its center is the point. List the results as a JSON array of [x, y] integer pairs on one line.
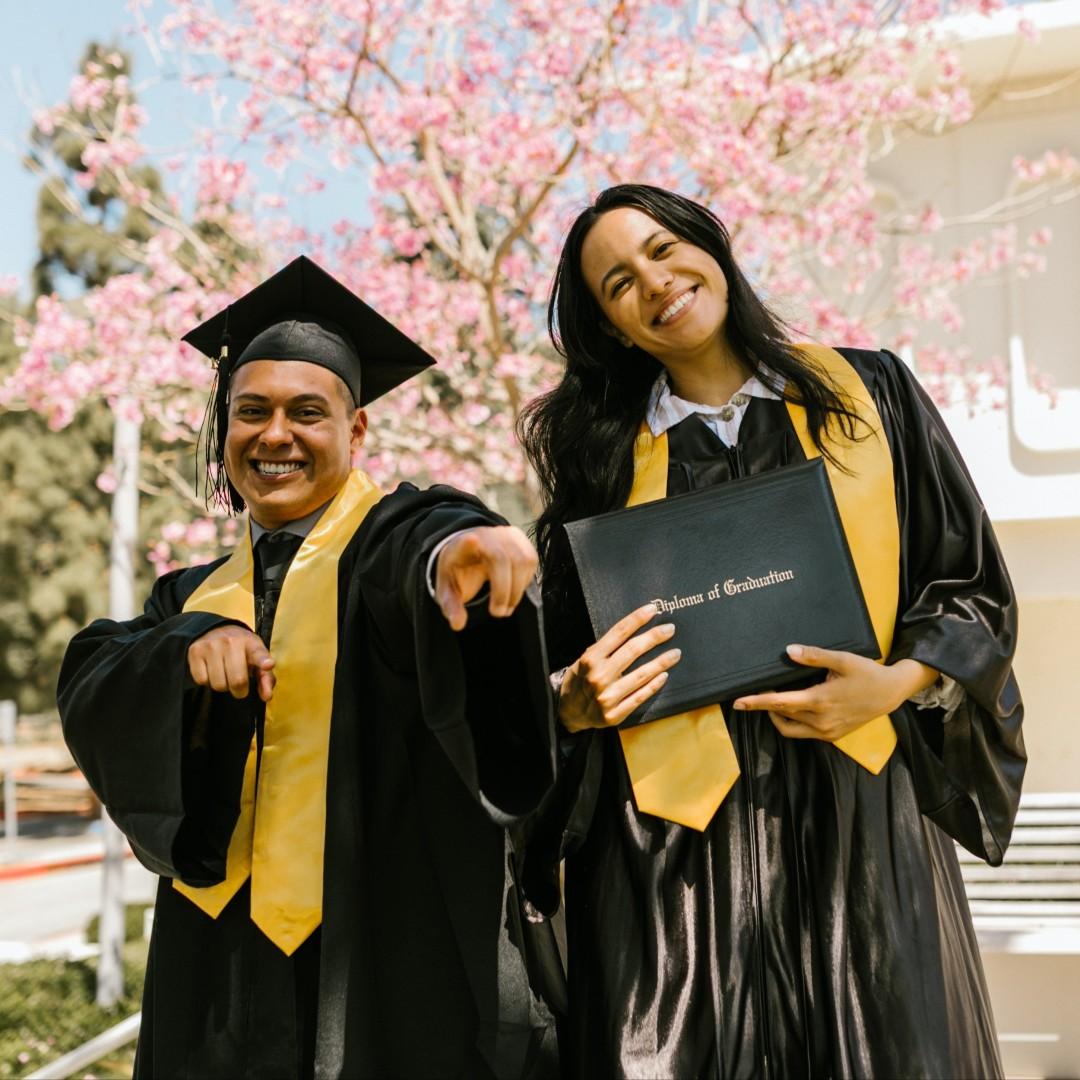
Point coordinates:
[[808, 917], [293, 428]]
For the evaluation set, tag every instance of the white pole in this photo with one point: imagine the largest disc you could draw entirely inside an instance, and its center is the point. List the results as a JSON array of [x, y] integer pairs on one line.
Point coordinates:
[[7, 739], [125, 527]]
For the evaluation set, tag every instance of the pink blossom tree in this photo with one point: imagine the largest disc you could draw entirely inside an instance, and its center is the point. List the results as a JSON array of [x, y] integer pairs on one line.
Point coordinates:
[[477, 129]]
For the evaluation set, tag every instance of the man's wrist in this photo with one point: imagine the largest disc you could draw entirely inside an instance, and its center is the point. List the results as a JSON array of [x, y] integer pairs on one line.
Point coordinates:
[[433, 558]]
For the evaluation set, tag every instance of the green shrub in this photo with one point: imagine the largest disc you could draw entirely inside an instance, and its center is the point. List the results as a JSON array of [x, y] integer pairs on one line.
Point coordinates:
[[47, 1008], [133, 923]]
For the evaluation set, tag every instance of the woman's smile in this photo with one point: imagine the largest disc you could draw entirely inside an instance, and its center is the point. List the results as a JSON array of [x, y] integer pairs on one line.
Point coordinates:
[[678, 307]]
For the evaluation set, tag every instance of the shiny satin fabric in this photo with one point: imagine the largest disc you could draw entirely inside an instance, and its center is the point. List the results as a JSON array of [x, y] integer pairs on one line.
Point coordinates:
[[818, 927]]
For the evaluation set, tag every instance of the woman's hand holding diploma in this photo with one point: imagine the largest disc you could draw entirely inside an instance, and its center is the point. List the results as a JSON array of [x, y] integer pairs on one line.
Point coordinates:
[[597, 692], [855, 691]]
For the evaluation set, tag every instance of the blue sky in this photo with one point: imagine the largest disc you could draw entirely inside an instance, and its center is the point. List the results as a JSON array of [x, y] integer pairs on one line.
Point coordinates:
[[43, 42]]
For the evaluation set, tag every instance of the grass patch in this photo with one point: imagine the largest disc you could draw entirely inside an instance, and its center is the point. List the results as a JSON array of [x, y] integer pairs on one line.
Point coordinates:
[[47, 1008]]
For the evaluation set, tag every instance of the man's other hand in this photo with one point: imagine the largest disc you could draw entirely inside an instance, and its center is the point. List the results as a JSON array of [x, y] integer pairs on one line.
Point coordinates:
[[227, 658], [498, 556]]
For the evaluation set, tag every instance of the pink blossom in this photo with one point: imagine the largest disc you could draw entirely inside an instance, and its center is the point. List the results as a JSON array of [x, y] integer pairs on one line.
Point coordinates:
[[461, 115]]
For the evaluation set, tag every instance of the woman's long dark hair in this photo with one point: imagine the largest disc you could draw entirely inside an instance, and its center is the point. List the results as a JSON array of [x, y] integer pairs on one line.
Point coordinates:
[[579, 436]]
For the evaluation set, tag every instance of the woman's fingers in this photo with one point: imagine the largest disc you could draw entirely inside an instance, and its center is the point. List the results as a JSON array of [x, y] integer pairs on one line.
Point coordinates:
[[639, 645], [595, 691], [629, 704], [793, 729], [624, 629], [613, 697], [787, 701]]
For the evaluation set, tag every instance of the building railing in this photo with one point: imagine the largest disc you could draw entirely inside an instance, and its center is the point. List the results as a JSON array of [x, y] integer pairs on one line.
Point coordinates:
[[1031, 903]]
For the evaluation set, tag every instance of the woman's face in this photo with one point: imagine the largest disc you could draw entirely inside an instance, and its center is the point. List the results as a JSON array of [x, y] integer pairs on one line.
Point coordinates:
[[667, 296]]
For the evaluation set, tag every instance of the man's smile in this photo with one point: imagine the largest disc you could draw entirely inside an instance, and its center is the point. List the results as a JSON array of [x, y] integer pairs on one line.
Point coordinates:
[[276, 468]]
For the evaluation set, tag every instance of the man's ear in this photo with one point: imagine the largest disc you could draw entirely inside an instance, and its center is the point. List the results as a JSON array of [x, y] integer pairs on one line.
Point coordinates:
[[359, 430], [618, 335]]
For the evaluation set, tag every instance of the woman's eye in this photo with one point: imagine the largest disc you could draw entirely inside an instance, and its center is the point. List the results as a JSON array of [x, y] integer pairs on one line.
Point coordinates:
[[619, 286], [662, 248]]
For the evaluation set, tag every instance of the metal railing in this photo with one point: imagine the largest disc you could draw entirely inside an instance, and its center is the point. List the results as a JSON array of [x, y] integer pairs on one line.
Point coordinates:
[[90, 1052]]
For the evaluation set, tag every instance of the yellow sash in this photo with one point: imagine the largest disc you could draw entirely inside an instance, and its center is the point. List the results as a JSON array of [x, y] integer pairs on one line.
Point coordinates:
[[683, 766], [279, 835]]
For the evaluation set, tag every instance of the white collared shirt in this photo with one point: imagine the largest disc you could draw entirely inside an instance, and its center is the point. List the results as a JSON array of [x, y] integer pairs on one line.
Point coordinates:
[[666, 409]]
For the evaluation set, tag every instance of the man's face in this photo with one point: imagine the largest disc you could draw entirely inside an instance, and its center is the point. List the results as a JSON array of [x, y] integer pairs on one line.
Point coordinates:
[[292, 433]]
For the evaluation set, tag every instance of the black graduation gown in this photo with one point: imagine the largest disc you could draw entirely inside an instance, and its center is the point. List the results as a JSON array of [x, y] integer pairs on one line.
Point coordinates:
[[819, 926], [437, 740]]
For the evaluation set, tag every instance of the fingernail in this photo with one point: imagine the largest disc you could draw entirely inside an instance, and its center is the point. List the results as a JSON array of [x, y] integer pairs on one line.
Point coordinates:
[[740, 706], [673, 654], [662, 676], [650, 608], [795, 650], [668, 628]]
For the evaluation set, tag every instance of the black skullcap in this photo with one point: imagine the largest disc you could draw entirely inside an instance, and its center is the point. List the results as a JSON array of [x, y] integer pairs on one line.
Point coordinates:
[[302, 313]]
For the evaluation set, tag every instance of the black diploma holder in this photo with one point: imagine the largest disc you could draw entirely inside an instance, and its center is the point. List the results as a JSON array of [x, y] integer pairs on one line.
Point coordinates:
[[743, 569]]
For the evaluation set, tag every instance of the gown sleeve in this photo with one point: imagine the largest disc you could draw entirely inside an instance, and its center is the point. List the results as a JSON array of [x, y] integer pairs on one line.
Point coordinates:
[[164, 756], [957, 614], [484, 691]]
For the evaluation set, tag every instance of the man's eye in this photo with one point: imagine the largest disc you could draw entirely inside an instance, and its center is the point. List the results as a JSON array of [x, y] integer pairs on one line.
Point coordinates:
[[309, 414]]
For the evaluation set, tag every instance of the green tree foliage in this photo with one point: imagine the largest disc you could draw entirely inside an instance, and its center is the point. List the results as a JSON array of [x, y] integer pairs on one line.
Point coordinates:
[[53, 547]]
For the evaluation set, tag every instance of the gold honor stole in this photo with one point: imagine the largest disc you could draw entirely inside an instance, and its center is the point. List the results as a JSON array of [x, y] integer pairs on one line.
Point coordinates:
[[682, 767], [279, 835]]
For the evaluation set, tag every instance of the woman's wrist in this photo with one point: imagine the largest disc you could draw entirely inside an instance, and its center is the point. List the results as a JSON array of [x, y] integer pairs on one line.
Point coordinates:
[[909, 677]]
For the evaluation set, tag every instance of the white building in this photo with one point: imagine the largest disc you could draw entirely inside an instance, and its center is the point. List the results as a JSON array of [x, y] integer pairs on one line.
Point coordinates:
[[1026, 462]]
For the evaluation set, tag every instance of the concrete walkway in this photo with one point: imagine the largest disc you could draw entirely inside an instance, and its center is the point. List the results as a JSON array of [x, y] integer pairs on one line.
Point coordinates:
[[50, 887]]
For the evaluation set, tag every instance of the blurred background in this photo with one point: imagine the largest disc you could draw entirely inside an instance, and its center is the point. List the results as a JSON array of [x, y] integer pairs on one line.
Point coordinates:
[[900, 173]]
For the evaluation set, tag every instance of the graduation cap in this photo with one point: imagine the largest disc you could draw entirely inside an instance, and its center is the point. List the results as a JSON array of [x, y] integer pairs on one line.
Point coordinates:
[[300, 313]]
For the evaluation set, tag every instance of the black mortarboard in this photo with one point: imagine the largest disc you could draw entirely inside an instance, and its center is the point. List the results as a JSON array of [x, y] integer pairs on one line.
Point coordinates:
[[302, 313]]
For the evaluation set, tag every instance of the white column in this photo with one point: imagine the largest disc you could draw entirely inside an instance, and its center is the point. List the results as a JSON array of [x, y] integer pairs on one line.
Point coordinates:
[[125, 527], [7, 741]]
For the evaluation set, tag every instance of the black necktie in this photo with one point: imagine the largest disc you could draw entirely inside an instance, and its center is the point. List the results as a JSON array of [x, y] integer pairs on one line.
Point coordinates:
[[273, 554]]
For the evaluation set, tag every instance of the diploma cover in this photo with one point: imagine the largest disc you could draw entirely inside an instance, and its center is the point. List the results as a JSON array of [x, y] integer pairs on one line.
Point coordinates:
[[742, 569]]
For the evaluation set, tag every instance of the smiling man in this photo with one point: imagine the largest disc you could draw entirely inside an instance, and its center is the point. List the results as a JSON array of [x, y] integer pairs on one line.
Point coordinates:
[[316, 742]]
